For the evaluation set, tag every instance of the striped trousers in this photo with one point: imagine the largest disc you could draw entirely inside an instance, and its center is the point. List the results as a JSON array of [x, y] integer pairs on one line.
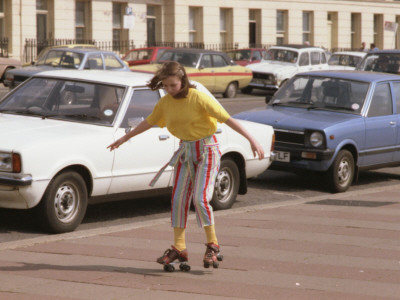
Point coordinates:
[[194, 179]]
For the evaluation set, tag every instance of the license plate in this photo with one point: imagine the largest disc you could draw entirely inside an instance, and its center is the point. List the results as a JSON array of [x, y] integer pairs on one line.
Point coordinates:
[[282, 156]]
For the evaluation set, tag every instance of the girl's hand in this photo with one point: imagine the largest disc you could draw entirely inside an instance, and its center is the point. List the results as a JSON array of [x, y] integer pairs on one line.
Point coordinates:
[[116, 144], [257, 148]]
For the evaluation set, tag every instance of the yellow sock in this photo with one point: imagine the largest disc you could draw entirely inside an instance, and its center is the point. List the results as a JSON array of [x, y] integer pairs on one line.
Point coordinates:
[[179, 238], [210, 234]]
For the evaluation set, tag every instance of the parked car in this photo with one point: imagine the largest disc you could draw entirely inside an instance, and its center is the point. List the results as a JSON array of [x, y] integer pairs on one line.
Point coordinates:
[[76, 46], [280, 63], [345, 60], [214, 69], [387, 61], [54, 155], [67, 58], [143, 56], [7, 64], [335, 122], [244, 57]]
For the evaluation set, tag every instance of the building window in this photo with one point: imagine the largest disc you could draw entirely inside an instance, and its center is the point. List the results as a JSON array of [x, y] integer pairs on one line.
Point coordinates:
[[41, 20], [281, 25], [307, 27], [119, 33], [378, 30], [195, 21], [82, 21], [151, 25], [225, 25], [2, 19], [355, 30]]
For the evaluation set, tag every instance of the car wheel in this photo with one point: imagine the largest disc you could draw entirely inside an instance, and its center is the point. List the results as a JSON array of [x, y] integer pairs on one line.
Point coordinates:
[[226, 185], [64, 203], [341, 173], [231, 90], [247, 90]]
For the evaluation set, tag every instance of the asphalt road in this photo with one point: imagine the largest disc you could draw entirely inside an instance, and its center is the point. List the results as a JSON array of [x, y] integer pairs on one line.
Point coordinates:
[[271, 186]]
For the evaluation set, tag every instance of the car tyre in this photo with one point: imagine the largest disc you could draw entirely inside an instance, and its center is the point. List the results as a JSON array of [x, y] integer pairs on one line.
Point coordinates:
[[231, 90], [341, 173], [64, 203], [226, 185]]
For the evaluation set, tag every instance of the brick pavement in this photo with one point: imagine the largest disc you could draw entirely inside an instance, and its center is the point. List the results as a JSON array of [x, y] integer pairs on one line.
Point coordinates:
[[286, 250]]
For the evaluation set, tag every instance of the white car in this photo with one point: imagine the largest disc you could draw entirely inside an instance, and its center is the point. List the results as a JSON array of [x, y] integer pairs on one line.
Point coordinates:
[[345, 60], [55, 129], [281, 63]]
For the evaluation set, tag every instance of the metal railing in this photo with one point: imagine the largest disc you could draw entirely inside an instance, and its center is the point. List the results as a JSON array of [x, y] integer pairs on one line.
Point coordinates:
[[4, 47]]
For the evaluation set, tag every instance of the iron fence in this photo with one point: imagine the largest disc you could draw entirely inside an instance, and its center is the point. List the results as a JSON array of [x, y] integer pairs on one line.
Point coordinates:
[[4, 47]]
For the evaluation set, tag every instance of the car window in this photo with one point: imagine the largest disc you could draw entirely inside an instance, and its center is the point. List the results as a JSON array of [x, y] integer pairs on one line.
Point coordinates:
[[160, 51], [219, 61], [140, 106], [68, 100], [206, 61], [315, 57], [323, 58], [304, 59], [111, 62], [256, 55], [381, 62], [94, 61], [381, 102], [396, 90]]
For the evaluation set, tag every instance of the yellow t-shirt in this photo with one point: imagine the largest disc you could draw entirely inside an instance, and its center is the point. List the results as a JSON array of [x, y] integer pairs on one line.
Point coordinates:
[[191, 118]]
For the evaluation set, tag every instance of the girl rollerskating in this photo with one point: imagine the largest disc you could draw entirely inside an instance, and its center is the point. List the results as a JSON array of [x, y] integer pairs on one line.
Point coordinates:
[[191, 116]]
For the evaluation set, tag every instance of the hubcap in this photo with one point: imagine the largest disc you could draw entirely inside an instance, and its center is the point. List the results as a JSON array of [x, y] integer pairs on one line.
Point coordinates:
[[344, 172], [66, 203], [223, 185]]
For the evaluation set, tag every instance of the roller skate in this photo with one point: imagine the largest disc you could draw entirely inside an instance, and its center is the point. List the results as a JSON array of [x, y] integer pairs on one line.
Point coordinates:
[[212, 256], [169, 257]]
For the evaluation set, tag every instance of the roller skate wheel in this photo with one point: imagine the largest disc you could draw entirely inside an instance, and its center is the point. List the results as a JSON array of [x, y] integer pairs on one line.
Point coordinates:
[[169, 268], [206, 265], [184, 267], [215, 264], [220, 257]]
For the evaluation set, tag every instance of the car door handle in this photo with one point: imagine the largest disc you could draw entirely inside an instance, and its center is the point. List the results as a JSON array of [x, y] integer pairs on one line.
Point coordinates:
[[163, 137], [392, 123]]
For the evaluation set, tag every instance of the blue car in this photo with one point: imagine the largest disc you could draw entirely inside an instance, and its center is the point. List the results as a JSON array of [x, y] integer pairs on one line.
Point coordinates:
[[335, 122]]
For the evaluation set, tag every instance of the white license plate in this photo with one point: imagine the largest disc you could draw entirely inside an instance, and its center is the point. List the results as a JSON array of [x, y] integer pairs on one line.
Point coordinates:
[[282, 156]]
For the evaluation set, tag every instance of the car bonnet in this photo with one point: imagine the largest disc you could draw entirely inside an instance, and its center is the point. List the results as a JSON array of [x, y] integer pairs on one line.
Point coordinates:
[[270, 66], [295, 118]]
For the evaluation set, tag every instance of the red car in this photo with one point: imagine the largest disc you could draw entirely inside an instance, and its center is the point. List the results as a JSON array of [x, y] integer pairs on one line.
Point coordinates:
[[142, 56], [247, 56]]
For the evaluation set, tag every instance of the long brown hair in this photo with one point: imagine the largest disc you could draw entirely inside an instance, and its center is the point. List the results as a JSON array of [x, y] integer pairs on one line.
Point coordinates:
[[171, 68]]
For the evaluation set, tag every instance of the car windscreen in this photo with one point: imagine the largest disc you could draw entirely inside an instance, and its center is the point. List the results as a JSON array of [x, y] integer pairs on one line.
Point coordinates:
[[325, 93], [79, 101], [60, 58], [185, 59], [381, 62], [344, 60], [239, 54], [281, 55]]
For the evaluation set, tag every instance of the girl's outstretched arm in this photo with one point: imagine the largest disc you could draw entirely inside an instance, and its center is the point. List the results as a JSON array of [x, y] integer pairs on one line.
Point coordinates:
[[255, 145], [142, 127]]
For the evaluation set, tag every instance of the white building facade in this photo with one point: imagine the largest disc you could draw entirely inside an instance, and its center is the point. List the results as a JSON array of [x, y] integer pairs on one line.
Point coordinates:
[[333, 24]]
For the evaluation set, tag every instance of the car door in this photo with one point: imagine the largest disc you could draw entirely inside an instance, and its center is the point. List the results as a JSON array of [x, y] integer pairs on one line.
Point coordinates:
[[207, 72], [223, 73], [396, 96], [380, 128], [304, 62], [138, 160]]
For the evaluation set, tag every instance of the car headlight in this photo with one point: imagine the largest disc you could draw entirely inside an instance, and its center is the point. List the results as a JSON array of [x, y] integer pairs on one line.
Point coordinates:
[[10, 162], [316, 139]]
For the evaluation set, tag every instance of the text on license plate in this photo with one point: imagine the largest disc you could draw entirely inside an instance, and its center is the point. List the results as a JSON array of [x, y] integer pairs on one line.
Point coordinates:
[[283, 156]]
